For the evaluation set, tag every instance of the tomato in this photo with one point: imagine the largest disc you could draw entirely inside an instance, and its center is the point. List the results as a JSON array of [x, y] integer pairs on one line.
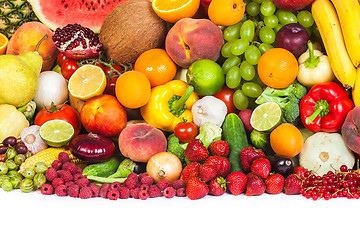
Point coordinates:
[[185, 131], [61, 58], [111, 81], [63, 112], [68, 68], [226, 95]]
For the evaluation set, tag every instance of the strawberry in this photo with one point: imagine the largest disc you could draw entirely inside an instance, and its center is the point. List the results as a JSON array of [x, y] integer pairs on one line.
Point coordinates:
[[275, 183], [300, 171], [221, 163], [255, 185], [196, 189], [217, 186], [195, 151], [292, 184], [248, 155], [189, 171], [261, 167], [236, 182], [207, 172], [219, 148]]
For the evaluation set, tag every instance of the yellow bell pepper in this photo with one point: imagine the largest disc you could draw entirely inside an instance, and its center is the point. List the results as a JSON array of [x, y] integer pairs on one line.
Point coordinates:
[[169, 104]]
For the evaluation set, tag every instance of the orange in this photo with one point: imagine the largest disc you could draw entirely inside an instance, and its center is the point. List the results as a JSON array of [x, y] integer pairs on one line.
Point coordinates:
[[286, 140], [226, 12], [4, 41], [277, 68], [133, 89], [174, 10], [156, 64]]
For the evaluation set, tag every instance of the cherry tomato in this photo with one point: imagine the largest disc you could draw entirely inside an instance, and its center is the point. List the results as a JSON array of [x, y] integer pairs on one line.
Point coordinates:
[[185, 131], [226, 95], [63, 112], [111, 81], [68, 68], [61, 58]]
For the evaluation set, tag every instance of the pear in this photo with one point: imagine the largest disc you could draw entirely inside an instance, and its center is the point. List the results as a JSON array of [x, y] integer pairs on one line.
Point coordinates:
[[19, 76]]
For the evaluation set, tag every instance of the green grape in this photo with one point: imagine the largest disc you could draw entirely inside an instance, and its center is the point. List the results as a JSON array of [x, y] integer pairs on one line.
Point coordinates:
[[305, 18], [267, 35], [251, 89], [229, 63], [233, 77], [278, 27], [258, 81], [264, 47], [253, 9], [271, 21], [267, 8], [258, 1], [247, 30], [247, 71], [232, 32], [286, 17], [239, 46], [226, 49], [252, 55], [309, 30], [240, 100]]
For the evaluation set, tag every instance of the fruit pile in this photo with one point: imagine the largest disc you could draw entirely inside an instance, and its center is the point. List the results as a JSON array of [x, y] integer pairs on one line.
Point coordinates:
[[189, 98]]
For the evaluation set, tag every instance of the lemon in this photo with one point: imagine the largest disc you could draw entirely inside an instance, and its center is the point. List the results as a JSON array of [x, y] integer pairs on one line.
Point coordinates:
[[266, 117], [56, 133]]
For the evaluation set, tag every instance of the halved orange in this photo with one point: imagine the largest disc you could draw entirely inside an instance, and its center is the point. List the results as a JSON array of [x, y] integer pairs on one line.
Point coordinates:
[[174, 10], [4, 41], [86, 82]]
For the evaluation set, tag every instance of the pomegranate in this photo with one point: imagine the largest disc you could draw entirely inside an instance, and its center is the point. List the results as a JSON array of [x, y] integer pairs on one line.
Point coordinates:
[[77, 42]]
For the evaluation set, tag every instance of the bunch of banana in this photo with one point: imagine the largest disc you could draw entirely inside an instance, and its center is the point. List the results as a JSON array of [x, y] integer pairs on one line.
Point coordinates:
[[338, 22]]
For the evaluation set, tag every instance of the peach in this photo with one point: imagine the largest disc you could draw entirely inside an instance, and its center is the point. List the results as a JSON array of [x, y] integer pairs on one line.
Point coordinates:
[[141, 141], [27, 37], [350, 130], [193, 39]]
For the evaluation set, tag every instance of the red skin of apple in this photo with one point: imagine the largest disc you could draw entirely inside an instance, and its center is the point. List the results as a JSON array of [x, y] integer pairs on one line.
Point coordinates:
[[103, 115], [291, 5]]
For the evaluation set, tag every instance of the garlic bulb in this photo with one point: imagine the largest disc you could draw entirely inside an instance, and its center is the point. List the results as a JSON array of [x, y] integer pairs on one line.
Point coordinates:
[[32, 140]]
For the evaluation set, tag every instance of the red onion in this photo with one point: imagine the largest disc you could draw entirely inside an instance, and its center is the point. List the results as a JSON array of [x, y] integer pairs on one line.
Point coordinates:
[[92, 147]]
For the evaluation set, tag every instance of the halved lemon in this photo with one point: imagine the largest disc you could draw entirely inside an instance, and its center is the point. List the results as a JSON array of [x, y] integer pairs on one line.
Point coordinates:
[[174, 10], [86, 82], [4, 41], [56, 133]]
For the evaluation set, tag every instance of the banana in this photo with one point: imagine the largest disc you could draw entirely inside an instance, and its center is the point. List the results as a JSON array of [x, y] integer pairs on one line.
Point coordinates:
[[356, 89], [349, 17], [328, 24]]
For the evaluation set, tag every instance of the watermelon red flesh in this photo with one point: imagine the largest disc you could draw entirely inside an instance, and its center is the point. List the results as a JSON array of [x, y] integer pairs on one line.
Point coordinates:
[[88, 13]]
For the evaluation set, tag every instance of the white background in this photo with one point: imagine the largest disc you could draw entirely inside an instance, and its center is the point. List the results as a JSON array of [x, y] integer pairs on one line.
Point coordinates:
[[36, 216]]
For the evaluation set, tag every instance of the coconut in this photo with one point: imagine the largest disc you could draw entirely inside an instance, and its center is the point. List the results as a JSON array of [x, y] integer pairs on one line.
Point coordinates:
[[131, 29]]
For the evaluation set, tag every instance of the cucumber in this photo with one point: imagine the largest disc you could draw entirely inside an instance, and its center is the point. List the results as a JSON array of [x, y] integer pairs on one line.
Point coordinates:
[[235, 135], [103, 169]]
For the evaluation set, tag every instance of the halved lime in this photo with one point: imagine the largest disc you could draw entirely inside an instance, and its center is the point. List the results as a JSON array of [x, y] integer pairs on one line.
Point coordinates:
[[266, 117], [56, 133]]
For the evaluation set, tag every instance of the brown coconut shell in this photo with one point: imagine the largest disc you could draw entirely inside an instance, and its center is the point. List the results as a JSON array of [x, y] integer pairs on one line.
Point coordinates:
[[131, 29]]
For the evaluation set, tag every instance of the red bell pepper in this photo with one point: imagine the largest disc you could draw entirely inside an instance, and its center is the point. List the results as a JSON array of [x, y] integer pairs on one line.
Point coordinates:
[[325, 107]]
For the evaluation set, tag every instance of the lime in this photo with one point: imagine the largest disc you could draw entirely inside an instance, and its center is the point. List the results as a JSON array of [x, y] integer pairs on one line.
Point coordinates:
[[206, 76], [266, 117], [56, 133]]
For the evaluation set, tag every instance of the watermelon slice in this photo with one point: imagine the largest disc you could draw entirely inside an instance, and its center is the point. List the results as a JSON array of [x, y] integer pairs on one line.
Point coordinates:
[[87, 13]]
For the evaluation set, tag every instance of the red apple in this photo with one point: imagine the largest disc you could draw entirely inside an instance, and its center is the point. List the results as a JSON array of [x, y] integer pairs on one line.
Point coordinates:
[[103, 115], [291, 5]]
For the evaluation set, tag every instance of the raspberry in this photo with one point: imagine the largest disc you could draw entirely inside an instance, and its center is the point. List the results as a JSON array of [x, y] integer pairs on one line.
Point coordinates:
[[68, 183], [133, 176], [124, 192], [63, 157], [71, 167], [47, 189], [169, 192], [61, 191], [115, 185], [144, 187], [77, 176], [147, 180], [178, 184], [65, 175], [130, 182], [64, 166], [95, 189], [57, 182], [143, 195], [85, 192], [180, 192], [73, 191], [51, 174], [141, 176], [82, 182], [134, 193], [78, 170], [162, 184], [104, 190], [154, 191], [113, 194], [56, 164]]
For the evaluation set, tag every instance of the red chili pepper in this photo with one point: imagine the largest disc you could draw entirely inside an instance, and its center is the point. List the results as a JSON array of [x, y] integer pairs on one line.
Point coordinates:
[[325, 107]]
